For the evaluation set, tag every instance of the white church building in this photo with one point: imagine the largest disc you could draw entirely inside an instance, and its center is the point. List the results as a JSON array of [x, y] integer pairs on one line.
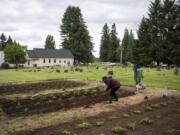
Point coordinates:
[[1, 57], [45, 57], [49, 57]]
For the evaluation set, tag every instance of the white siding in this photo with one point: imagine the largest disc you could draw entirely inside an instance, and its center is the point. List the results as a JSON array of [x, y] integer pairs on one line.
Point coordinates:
[[1, 57], [58, 62]]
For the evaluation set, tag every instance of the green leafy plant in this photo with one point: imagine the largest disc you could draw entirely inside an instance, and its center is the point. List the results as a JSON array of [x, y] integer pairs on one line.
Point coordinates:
[[131, 126], [112, 117], [125, 115], [178, 110], [66, 132], [137, 111], [172, 131], [156, 106], [99, 123], [148, 108], [66, 94], [119, 130], [146, 121], [163, 104], [84, 125]]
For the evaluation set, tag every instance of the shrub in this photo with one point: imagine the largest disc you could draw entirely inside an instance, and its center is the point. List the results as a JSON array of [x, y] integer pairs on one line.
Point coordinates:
[[65, 71], [146, 121], [84, 125], [131, 126], [119, 130], [5, 65], [99, 123], [57, 70]]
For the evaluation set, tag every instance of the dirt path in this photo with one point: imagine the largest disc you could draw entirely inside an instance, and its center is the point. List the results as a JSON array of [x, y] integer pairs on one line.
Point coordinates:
[[11, 125]]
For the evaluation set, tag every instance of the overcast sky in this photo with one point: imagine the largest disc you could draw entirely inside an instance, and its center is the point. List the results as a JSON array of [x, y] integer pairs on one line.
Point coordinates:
[[30, 21]]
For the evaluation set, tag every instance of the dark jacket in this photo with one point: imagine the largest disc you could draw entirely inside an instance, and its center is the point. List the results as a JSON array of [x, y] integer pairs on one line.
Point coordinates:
[[111, 83]]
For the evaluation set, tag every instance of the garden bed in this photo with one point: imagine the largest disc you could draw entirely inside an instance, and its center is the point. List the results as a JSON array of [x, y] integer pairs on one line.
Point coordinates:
[[27, 103], [39, 86], [124, 121]]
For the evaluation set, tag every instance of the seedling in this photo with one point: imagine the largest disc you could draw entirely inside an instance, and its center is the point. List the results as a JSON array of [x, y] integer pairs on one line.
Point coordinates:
[[125, 115], [66, 94], [178, 110], [163, 104], [112, 117], [84, 125], [119, 130], [66, 132], [137, 111], [156, 106], [99, 123], [170, 102], [172, 131], [131, 126], [146, 121], [148, 108]]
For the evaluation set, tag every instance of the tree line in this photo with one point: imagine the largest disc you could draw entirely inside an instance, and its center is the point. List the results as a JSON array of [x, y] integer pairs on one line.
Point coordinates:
[[158, 37], [159, 34]]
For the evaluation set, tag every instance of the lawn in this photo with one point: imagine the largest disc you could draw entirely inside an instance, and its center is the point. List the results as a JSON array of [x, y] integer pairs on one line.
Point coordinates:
[[162, 79]]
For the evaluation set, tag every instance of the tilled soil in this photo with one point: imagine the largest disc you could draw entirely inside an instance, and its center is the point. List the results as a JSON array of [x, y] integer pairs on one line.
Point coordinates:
[[46, 104], [165, 117]]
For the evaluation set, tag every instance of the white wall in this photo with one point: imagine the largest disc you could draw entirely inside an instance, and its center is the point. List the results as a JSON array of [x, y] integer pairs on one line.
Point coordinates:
[[40, 62], [1, 57]]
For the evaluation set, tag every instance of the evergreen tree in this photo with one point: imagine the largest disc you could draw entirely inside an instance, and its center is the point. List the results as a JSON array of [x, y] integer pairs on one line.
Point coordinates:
[[75, 35], [131, 45], [176, 38], [142, 49], [125, 42], [2, 41], [9, 41], [168, 30], [114, 45], [50, 42], [155, 21], [105, 42]]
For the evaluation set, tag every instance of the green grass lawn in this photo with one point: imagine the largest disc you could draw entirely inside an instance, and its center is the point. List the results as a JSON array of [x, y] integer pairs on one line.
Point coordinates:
[[163, 79]]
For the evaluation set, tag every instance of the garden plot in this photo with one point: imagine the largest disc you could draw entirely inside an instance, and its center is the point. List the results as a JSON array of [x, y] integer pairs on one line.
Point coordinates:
[[84, 110], [28, 99], [158, 121]]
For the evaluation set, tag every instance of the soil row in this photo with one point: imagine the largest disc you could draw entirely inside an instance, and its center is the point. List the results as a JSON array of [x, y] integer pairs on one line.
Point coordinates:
[[38, 86]]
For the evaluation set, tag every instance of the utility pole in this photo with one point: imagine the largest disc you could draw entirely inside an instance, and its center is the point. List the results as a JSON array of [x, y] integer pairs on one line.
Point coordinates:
[[121, 54]]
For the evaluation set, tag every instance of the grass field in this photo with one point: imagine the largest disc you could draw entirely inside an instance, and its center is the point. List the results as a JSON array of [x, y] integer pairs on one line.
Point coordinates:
[[163, 79]]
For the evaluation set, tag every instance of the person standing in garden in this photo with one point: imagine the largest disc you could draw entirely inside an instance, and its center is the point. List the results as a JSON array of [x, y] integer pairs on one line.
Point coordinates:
[[138, 76], [112, 84]]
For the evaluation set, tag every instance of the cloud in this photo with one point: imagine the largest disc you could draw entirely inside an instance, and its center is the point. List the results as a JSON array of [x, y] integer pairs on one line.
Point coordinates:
[[29, 22]]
